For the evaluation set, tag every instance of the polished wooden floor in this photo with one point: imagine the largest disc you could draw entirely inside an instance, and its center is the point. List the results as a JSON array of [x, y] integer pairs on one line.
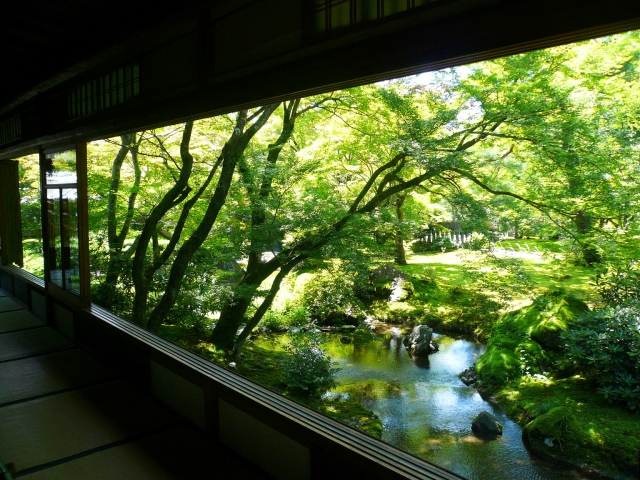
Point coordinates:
[[64, 415]]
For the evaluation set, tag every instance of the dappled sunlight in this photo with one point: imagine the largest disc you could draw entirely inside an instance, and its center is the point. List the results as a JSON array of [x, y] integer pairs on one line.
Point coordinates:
[[474, 439], [595, 436]]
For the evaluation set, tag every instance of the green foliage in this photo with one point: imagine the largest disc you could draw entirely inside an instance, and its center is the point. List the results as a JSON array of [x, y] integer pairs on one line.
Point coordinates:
[[477, 241], [605, 345], [331, 297], [587, 254], [279, 321], [618, 282], [307, 369], [440, 245]]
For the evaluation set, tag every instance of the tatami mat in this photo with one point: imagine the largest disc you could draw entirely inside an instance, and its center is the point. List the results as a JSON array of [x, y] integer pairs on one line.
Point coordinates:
[[58, 426], [63, 416], [178, 453], [45, 374], [7, 304], [31, 342], [18, 320]]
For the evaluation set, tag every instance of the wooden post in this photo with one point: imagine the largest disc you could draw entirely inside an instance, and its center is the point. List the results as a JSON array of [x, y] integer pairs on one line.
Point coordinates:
[[83, 225], [10, 215]]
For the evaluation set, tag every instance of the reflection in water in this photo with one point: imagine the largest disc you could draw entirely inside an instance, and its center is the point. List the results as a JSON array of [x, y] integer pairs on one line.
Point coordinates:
[[426, 410]]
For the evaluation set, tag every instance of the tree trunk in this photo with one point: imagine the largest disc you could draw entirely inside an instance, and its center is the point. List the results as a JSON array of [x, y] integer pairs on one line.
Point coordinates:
[[142, 272], [231, 316], [266, 304], [188, 248], [231, 153], [399, 252], [224, 333], [583, 222], [115, 240]]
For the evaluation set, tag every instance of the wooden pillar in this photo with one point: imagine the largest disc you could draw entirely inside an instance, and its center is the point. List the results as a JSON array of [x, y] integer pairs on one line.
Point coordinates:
[[10, 217], [83, 225]]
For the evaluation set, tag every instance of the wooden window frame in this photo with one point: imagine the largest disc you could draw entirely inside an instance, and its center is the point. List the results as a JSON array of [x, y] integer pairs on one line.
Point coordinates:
[[81, 185]]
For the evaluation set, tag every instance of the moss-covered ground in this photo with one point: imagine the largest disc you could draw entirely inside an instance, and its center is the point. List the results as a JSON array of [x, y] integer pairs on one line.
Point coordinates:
[[563, 417], [566, 418], [465, 292]]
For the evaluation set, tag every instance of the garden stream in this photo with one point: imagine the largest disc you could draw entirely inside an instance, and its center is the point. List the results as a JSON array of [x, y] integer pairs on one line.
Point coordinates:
[[426, 410]]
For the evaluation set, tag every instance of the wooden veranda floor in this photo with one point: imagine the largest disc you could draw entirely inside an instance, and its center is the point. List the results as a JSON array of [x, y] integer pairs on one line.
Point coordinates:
[[64, 415]]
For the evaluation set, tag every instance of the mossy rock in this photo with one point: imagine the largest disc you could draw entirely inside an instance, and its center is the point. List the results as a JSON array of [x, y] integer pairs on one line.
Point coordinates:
[[497, 366], [548, 333], [503, 342], [550, 432], [556, 314], [523, 341]]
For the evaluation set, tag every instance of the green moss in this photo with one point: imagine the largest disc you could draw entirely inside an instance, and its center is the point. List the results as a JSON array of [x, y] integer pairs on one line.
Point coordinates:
[[549, 432], [497, 366], [580, 426], [523, 342], [561, 417], [351, 413]]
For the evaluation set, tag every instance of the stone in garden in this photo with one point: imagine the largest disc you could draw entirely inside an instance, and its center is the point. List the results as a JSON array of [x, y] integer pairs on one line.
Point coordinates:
[[390, 282], [469, 376], [419, 342], [486, 424]]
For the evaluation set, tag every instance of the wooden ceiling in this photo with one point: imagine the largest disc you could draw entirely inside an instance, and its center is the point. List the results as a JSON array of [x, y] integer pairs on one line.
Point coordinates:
[[43, 39]]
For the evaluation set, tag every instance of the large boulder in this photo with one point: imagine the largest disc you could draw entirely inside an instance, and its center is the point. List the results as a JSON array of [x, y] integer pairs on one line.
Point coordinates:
[[486, 424], [419, 342], [392, 283]]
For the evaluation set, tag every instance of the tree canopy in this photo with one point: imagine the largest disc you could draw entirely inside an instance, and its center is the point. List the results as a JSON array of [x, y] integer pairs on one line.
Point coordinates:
[[208, 218]]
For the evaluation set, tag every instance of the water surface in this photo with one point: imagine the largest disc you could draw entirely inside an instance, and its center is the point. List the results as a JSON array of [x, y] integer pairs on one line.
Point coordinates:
[[427, 411]]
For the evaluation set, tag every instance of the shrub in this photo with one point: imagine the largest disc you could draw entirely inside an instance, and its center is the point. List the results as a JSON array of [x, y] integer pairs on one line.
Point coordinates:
[[477, 241], [618, 282], [292, 316], [331, 298], [307, 369], [440, 245], [605, 345], [586, 254]]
